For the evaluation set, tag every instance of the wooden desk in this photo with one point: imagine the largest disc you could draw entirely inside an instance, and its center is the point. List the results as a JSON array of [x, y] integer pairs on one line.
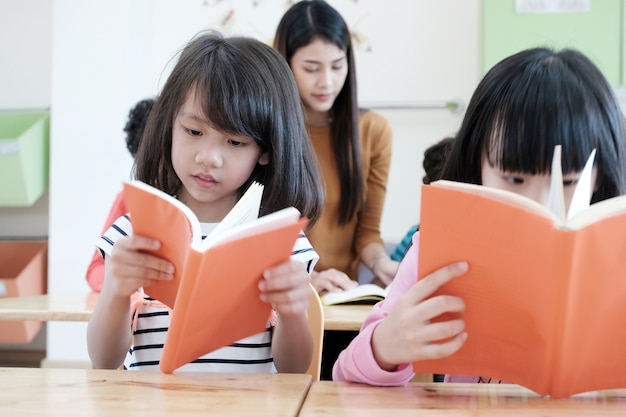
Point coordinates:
[[345, 316], [49, 307], [78, 307], [88, 392], [435, 399]]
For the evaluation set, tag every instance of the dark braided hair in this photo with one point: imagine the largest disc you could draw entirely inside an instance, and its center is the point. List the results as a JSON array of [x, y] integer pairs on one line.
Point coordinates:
[[434, 157], [137, 117]]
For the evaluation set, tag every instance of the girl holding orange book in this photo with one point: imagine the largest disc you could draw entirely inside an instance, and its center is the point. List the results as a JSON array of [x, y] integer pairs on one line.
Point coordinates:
[[228, 115], [523, 107]]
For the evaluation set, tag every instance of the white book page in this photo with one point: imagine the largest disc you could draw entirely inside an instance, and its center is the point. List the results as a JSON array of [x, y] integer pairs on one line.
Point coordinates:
[[605, 208], [356, 293], [581, 200], [245, 210], [556, 198], [271, 221]]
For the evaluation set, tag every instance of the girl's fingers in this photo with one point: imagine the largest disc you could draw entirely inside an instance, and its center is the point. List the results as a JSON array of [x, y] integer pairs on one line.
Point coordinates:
[[130, 259], [426, 286], [137, 243], [286, 287], [442, 350], [435, 333], [433, 307]]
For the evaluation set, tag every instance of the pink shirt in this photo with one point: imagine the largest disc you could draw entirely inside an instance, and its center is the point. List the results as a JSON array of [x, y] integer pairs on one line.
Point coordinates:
[[356, 363]]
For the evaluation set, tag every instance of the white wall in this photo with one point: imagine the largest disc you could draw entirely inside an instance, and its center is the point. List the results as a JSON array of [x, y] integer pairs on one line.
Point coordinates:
[[106, 56]]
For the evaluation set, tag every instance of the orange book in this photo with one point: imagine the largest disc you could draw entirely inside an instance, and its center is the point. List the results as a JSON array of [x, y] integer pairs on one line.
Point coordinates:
[[214, 294], [545, 295]]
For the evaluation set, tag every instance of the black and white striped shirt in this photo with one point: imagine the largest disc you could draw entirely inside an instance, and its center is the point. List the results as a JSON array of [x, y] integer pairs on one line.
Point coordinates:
[[252, 354]]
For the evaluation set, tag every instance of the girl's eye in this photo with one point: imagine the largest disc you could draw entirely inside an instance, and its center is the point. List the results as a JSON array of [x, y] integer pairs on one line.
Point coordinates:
[[570, 182], [338, 67], [311, 70], [514, 180], [194, 132], [236, 143]]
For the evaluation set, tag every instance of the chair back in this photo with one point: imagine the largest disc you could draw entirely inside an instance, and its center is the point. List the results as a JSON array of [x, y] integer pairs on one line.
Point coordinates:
[[316, 323]]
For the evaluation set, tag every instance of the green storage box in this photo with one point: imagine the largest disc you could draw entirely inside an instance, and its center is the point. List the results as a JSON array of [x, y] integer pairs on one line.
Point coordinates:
[[24, 150]]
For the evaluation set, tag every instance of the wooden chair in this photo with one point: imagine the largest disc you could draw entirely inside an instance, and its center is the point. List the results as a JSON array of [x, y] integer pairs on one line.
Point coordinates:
[[316, 323]]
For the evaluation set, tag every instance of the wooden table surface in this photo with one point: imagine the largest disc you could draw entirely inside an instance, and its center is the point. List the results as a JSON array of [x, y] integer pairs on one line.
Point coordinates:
[[79, 306], [49, 307], [47, 392], [345, 316], [437, 399]]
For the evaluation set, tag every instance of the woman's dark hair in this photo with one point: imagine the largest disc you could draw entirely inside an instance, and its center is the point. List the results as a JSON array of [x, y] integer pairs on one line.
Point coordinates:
[[245, 88], [137, 117], [303, 23], [530, 102]]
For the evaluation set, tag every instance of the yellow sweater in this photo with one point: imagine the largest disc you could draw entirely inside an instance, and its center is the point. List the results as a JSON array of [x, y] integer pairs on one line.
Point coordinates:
[[339, 247]]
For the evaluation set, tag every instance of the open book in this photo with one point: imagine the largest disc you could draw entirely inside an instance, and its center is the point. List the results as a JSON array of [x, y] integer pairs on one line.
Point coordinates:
[[363, 294], [214, 294], [545, 295]]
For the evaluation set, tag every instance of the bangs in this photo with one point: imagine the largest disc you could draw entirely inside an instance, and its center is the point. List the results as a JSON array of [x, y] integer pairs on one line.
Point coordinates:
[[234, 103], [532, 117]]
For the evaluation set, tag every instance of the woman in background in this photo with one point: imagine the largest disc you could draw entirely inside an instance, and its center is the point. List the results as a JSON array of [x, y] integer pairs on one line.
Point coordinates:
[[353, 146], [353, 149]]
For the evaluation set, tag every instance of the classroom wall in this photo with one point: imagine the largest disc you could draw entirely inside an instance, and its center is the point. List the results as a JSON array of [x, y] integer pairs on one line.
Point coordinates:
[[108, 56], [94, 60]]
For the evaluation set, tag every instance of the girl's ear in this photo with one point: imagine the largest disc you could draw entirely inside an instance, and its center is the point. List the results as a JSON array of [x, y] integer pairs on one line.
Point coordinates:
[[264, 159]]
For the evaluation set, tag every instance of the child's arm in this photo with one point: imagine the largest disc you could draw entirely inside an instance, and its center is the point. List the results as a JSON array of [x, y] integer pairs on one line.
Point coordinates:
[[397, 332], [286, 287], [127, 269]]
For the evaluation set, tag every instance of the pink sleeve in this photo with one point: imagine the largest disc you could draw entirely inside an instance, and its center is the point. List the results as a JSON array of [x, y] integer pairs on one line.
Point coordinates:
[[357, 363]]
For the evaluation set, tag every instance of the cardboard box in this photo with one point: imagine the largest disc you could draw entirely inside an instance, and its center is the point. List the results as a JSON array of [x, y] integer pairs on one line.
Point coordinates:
[[23, 272], [24, 156]]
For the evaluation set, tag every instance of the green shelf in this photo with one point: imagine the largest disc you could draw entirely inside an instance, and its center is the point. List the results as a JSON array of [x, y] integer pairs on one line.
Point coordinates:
[[24, 156]]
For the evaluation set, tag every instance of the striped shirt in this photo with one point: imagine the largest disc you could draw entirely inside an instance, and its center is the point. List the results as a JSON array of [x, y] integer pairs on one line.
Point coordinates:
[[252, 354]]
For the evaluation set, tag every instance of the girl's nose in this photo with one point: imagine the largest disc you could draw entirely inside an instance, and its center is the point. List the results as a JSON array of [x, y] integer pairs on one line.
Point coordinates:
[[209, 156], [541, 194]]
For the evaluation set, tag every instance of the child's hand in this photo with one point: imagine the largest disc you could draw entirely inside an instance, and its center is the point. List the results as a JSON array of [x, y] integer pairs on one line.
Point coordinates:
[[130, 266], [407, 335], [286, 287]]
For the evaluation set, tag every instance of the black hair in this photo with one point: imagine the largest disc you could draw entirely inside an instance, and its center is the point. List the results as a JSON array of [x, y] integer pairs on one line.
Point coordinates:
[[530, 102], [245, 87], [137, 117], [303, 23], [434, 158]]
